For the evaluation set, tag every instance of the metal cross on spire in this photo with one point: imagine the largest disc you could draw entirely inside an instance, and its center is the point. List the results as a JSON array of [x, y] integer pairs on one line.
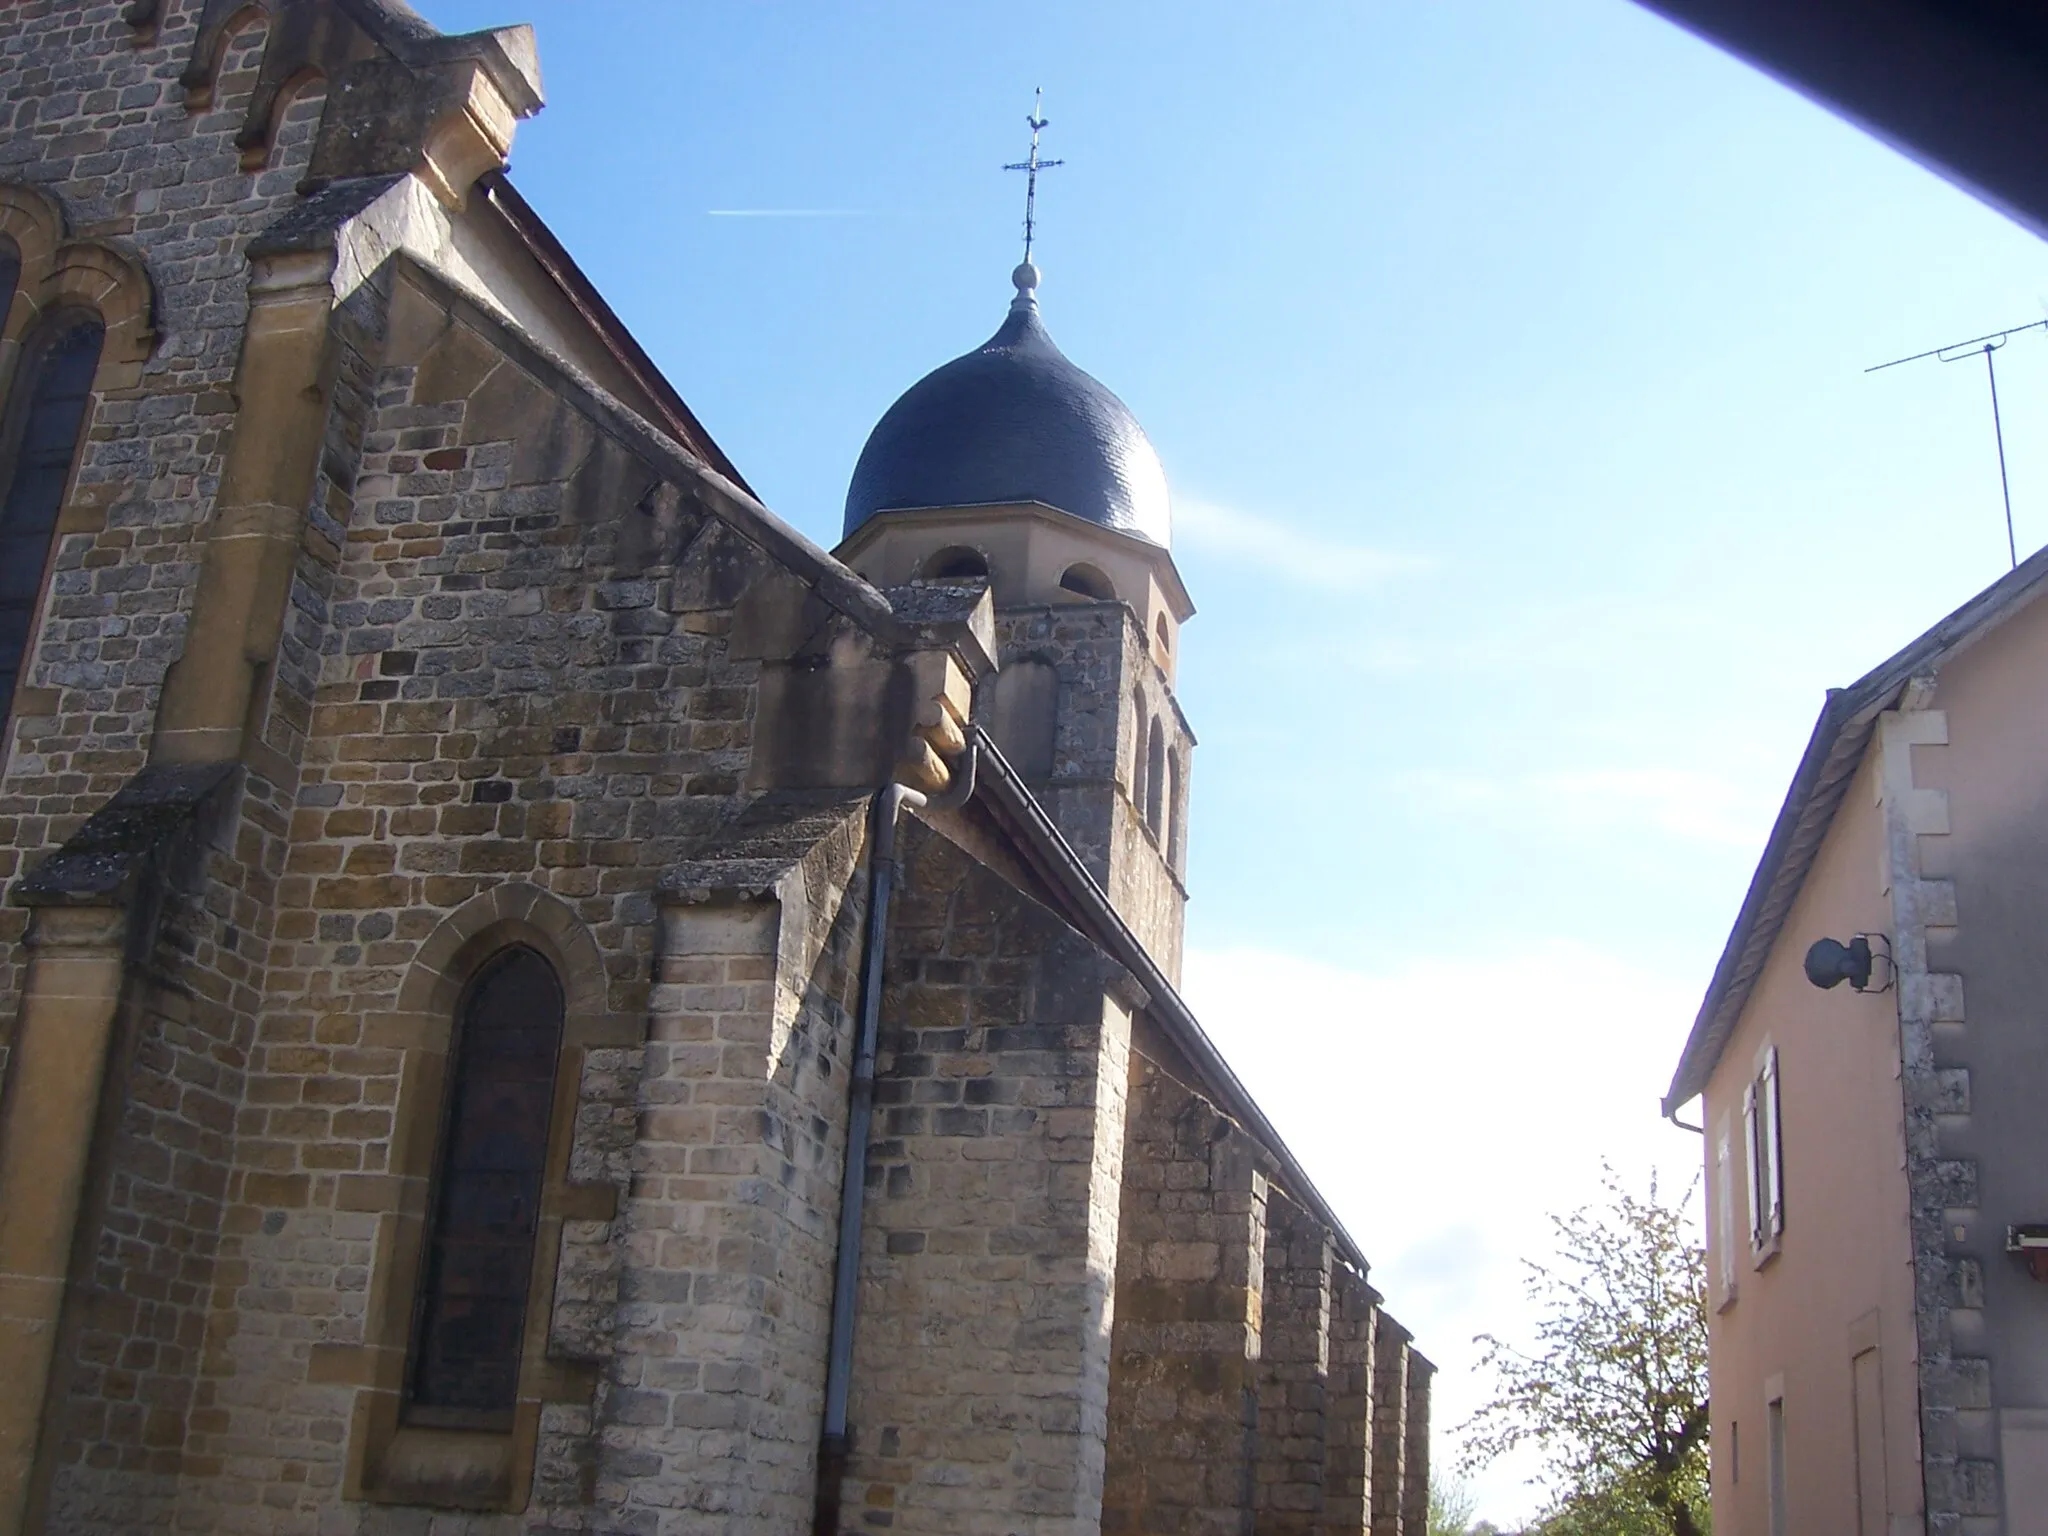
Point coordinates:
[[1031, 166]]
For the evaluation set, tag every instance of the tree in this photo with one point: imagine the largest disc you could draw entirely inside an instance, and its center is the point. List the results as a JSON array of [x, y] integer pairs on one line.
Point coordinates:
[[1615, 1391], [1450, 1507]]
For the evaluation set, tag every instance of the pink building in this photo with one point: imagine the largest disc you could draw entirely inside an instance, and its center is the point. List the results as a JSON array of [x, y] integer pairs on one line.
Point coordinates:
[[1871, 1066]]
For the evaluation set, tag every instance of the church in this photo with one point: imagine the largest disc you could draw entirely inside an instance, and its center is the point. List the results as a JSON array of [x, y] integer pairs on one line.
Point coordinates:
[[536, 998]]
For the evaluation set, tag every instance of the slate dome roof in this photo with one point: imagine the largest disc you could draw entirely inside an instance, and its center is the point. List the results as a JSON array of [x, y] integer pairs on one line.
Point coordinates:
[[1013, 420]]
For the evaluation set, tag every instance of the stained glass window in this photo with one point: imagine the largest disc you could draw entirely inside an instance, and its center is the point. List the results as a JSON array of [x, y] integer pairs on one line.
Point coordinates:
[[50, 399], [479, 1252], [10, 277]]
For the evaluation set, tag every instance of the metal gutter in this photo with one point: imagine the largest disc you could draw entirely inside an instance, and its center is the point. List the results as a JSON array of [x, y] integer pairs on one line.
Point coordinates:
[[834, 1443]]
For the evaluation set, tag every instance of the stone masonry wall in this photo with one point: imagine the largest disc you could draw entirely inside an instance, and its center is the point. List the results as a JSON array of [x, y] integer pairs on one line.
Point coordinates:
[[1390, 1432], [1184, 1385], [176, 1093], [1104, 669], [1415, 1437], [1958, 1445], [981, 1371], [1256, 1387], [717, 1361], [522, 678], [1294, 1372], [96, 118], [1349, 1423]]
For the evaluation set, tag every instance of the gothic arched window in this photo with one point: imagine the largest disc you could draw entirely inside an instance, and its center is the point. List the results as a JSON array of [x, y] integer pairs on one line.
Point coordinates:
[[1155, 777], [478, 1257], [1138, 761], [10, 277], [52, 392], [1169, 843]]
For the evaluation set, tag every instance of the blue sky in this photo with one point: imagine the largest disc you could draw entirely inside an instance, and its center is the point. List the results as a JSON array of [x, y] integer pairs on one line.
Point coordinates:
[[1506, 361]]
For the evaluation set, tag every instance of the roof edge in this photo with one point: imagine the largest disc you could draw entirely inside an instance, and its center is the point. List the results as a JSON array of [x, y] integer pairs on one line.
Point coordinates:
[[1840, 736], [553, 258], [1060, 866]]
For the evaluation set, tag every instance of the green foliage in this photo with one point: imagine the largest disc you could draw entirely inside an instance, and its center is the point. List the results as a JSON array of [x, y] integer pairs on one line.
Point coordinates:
[[1450, 1507], [1615, 1390]]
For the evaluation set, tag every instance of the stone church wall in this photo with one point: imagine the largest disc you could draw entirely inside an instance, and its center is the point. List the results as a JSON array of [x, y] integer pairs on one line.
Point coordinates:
[[982, 1363], [517, 691], [1256, 1388], [99, 122], [1105, 677], [530, 667], [1190, 1298], [1349, 1425], [505, 702], [1293, 1469], [723, 1255], [176, 1103]]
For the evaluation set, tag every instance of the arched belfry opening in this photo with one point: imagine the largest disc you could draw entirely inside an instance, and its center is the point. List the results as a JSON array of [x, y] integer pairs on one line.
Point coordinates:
[[956, 562], [1085, 580]]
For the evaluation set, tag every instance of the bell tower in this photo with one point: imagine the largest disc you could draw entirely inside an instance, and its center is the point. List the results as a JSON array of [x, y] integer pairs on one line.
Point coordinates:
[[1012, 466]]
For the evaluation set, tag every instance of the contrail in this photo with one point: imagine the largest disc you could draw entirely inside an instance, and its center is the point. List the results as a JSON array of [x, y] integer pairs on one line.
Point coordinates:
[[788, 213]]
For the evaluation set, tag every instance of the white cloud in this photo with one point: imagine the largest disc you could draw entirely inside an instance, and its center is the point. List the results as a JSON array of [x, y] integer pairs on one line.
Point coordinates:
[[1449, 1106], [1285, 550], [1693, 807]]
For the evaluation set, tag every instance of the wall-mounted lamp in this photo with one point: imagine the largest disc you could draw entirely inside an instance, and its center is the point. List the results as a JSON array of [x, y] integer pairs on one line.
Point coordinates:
[[2031, 1244], [1829, 962]]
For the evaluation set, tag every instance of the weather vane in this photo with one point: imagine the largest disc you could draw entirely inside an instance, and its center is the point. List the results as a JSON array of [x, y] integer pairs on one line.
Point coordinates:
[[1031, 167]]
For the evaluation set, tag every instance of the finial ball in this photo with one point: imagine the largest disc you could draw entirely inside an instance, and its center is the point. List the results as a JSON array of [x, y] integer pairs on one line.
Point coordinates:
[[1025, 277]]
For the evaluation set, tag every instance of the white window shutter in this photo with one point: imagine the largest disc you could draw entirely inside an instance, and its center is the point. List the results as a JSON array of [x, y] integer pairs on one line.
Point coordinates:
[[1753, 1154], [1774, 1143], [1724, 1206]]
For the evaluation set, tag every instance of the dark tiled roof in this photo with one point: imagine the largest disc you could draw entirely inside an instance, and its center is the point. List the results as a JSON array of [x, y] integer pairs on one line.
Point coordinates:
[[1013, 421]]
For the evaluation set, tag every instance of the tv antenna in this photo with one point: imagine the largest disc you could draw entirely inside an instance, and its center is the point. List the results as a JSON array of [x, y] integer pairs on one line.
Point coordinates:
[[1031, 165], [1955, 352]]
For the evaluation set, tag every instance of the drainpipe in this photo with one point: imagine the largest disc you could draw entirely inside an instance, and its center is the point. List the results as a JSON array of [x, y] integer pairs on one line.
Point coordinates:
[[889, 802]]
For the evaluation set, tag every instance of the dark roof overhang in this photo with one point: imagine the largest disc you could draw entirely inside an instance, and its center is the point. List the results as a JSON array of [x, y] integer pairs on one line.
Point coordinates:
[[1959, 85]]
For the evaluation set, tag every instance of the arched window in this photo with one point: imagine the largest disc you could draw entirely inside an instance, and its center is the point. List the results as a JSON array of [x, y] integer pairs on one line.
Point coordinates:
[[956, 563], [1169, 845], [1138, 759], [46, 414], [1085, 580], [10, 276], [1164, 637], [478, 1257], [1155, 777]]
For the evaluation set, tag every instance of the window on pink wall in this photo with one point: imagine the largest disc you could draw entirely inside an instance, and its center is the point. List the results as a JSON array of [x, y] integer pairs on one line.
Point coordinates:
[[1763, 1140]]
